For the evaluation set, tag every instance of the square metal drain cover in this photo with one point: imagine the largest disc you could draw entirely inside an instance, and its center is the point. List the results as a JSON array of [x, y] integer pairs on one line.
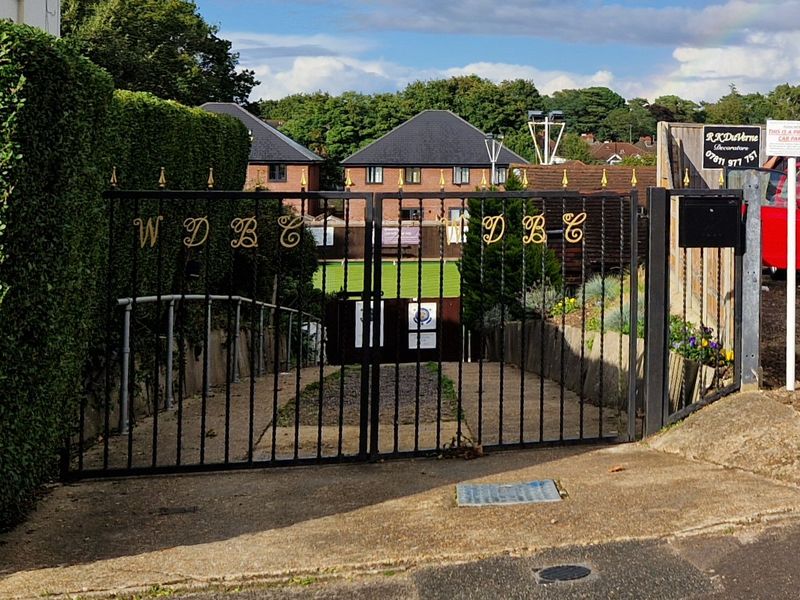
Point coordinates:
[[484, 494]]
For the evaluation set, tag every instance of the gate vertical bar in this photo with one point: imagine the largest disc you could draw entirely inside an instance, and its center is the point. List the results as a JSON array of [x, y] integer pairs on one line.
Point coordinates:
[[366, 329], [657, 307], [633, 338], [124, 399], [375, 394], [170, 339]]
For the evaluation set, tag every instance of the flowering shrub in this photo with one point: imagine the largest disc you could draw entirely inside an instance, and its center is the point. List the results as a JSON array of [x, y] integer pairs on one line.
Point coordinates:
[[565, 306], [697, 343]]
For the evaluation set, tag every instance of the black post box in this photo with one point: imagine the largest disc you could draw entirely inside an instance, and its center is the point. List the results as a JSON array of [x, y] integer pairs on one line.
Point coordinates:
[[710, 222]]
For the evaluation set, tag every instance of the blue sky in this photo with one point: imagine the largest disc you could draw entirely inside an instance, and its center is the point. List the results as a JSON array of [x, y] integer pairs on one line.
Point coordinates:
[[648, 48]]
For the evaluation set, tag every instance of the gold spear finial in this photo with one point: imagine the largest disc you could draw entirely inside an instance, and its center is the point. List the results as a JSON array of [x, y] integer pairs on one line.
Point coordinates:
[[686, 180], [114, 182], [400, 181], [564, 180], [303, 181], [722, 179], [525, 178], [347, 181], [483, 179], [634, 181], [210, 182], [441, 179], [162, 179], [604, 180]]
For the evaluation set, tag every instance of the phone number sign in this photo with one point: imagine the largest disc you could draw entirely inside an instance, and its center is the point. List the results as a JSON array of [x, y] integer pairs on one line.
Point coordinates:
[[783, 138], [726, 146]]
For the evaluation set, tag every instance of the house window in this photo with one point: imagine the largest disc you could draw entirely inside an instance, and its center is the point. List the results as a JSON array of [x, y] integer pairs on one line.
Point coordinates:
[[460, 175], [374, 174], [413, 175], [410, 214], [500, 174], [277, 172]]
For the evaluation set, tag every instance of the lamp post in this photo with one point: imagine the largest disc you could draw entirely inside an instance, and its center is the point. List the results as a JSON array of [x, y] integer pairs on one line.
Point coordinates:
[[494, 143], [555, 118]]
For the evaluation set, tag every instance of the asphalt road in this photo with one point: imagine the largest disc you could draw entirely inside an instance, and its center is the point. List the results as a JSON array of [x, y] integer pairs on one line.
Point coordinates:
[[731, 565]]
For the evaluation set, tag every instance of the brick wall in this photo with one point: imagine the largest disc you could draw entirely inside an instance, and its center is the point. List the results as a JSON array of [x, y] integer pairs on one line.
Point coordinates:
[[258, 176]]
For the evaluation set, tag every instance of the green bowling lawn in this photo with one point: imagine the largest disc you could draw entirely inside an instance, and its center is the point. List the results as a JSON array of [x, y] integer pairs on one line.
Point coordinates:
[[409, 286]]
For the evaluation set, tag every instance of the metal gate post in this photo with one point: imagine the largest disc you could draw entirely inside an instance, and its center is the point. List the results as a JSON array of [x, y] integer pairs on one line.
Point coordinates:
[[376, 330], [633, 337], [750, 287], [656, 338], [366, 329]]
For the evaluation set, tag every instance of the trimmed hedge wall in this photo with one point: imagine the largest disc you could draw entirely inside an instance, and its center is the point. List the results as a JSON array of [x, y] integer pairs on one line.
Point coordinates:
[[61, 128], [147, 133], [58, 103]]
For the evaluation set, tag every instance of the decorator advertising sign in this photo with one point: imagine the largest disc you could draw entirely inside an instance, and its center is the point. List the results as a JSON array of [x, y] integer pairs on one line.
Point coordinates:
[[730, 146]]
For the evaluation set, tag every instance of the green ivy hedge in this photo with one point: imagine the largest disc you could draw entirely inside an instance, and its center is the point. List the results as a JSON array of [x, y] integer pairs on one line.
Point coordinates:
[[62, 127]]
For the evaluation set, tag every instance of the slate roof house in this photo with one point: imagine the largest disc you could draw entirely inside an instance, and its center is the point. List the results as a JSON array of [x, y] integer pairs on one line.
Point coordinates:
[[433, 151], [277, 163]]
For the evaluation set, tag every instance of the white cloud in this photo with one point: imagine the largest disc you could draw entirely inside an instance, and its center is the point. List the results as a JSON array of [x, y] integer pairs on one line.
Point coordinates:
[[757, 64], [585, 21], [333, 74], [752, 44]]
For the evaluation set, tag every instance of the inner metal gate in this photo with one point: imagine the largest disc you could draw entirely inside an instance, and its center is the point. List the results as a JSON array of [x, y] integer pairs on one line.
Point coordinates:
[[261, 328]]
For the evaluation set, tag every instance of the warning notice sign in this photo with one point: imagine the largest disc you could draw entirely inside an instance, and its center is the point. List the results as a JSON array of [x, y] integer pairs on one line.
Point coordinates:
[[783, 138]]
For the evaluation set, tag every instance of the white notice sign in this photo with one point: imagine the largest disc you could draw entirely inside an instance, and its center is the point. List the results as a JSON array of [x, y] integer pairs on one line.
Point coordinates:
[[359, 325], [783, 138], [421, 316], [427, 340]]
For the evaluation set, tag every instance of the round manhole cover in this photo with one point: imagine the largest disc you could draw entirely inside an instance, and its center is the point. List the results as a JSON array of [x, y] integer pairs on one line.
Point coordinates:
[[564, 573]]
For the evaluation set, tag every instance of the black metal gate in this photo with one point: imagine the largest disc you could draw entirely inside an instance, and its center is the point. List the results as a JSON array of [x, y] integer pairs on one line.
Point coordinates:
[[694, 333], [260, 328]]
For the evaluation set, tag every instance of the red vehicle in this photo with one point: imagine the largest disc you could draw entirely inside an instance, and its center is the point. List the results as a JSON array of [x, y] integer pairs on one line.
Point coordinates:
[[773, 218], [773, 223]]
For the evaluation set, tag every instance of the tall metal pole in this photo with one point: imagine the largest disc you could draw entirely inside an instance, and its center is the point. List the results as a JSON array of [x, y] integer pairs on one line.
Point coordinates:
[[546, 141]]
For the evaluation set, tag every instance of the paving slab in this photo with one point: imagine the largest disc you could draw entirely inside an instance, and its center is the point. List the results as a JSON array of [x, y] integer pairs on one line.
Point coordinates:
[[191, 531]]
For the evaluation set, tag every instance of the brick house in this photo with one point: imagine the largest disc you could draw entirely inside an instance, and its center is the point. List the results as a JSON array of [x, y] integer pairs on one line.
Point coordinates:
[[433, 151], [277, 163], [612, 153]]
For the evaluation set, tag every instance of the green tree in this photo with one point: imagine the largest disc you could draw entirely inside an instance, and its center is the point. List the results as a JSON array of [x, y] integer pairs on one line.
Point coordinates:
[[785, 102], [731, 109], [630, 122], [675, 109], [574, 147], [495, 274], [159, 46], [641, 160], [585, 109]]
